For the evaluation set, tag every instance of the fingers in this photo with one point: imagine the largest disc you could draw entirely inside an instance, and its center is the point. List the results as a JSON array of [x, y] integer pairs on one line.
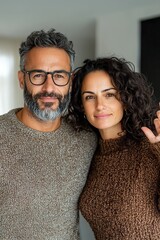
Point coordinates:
[[157, 122], [149, 134], [158, 114]]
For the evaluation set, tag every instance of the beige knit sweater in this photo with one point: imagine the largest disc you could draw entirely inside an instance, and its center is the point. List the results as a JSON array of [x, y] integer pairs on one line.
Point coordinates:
[[120, 199], [41, 178]]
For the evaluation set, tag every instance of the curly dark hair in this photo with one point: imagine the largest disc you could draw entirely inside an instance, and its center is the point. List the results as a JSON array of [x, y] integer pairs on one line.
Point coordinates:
[[50, 38], [136, 95]]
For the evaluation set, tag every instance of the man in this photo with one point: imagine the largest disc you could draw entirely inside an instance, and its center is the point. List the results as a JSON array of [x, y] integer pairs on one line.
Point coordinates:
[[44, 161]]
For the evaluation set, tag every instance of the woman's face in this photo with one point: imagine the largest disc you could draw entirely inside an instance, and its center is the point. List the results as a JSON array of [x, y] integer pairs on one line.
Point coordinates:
[[101, 103]]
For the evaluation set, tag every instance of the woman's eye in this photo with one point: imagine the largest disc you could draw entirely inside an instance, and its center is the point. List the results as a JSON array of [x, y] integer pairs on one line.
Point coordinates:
[[110, 95], [89, 97]]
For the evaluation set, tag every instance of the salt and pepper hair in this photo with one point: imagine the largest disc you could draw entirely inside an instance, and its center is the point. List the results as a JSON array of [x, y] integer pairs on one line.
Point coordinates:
[[136, 95], [49, 38]]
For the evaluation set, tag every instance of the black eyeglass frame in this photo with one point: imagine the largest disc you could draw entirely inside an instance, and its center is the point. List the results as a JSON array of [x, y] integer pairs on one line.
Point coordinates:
[[46, 74]]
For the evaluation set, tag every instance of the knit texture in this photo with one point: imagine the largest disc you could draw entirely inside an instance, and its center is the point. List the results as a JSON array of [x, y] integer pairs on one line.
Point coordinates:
[[41, 177], [121, 196]]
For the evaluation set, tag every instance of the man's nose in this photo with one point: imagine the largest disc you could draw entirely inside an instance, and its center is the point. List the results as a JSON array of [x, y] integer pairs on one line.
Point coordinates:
[[49, 84]]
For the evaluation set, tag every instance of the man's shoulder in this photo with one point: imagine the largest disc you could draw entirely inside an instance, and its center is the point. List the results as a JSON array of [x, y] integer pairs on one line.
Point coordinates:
[[81, 135], [83, 142], [6, 119], [3, 118]]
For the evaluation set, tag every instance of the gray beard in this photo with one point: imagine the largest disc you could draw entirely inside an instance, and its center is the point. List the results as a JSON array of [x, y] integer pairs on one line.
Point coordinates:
[[47, 114]]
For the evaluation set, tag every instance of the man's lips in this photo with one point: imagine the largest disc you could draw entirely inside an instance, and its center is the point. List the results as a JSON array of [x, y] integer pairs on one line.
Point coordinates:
[[48, 99]]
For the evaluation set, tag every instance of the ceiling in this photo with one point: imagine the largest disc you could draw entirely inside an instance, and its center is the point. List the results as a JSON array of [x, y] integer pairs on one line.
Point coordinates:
[[72, 17]]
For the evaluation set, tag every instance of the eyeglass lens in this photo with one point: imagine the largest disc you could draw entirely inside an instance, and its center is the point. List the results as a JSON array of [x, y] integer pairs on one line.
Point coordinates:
[[60, 77]]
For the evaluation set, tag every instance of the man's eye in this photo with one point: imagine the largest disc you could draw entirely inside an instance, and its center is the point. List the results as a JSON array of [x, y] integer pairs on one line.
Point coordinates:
[[38, 75], [58, 75]]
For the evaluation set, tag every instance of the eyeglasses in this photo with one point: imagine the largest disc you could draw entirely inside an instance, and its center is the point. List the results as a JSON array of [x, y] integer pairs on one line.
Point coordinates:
[[38, 77]]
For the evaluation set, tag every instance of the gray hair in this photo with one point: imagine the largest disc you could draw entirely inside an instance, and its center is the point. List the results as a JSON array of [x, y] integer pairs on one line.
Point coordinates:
[[50, 38]]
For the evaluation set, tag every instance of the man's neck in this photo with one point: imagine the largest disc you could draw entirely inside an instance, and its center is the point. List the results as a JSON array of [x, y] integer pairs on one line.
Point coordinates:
[[27, 118]]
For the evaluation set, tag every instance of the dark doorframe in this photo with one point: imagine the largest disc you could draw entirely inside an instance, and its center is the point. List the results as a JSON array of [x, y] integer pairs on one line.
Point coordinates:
[[150, 52]]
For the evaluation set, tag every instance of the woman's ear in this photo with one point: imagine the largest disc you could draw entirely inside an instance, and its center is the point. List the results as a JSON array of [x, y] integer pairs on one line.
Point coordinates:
[[21, 79]]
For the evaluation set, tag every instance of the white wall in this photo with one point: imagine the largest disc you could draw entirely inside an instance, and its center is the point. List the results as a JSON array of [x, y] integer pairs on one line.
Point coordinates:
[[119, 33], [10, 93], [84, 44], [86, 232]]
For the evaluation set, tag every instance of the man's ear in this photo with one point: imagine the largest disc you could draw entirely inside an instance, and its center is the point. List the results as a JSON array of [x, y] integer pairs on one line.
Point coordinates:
[[21, 79]]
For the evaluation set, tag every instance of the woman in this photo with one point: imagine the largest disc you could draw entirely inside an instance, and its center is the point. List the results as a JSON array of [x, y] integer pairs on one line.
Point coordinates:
[[122, 193]]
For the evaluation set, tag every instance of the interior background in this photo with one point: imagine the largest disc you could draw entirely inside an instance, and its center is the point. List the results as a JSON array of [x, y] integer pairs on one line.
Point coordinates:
[[97, 29]]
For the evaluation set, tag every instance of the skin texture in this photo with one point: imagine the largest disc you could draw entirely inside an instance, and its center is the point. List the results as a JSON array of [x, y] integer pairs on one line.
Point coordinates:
[[47, 59], [102, 106]]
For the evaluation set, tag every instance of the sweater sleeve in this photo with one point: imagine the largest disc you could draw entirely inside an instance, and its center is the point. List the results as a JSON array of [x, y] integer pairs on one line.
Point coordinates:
[[159, 198], [156, 150]]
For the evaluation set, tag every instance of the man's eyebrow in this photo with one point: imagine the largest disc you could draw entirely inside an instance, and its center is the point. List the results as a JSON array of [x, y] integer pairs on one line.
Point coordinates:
[[105, 90]]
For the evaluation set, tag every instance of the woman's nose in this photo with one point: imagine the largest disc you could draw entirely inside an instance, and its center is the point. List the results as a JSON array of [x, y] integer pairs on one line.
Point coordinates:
[[100, 104]]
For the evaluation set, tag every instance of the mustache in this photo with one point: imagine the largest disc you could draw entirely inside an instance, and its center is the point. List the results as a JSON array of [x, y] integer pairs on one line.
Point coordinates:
[[47, 94]]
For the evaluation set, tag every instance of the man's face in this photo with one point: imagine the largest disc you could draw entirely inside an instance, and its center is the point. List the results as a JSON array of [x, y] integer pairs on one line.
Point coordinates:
[[47, 101]]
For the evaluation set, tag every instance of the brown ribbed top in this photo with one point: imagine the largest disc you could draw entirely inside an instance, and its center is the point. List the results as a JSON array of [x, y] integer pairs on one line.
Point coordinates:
[[120, 199]]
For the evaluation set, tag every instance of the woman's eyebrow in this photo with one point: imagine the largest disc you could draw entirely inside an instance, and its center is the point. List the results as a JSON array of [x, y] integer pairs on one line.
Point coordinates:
[[105, 90], [87, 92]]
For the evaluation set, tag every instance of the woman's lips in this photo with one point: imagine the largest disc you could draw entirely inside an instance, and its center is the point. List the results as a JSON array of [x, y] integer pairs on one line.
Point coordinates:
[[102, 116]]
